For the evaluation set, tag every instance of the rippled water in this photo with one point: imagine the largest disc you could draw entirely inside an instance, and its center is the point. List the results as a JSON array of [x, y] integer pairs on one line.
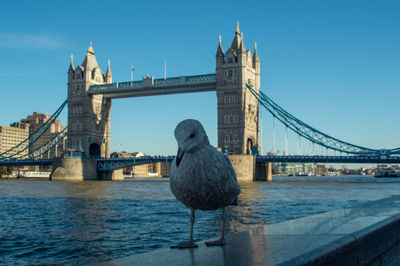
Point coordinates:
[[43, 222]]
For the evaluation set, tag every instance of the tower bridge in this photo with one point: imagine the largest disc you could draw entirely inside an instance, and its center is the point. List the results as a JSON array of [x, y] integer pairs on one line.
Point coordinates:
[[90, 93], [237, 86]]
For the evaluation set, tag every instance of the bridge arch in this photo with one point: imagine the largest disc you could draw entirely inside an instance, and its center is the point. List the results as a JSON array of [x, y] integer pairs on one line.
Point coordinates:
[[94, 150], [250, 147]]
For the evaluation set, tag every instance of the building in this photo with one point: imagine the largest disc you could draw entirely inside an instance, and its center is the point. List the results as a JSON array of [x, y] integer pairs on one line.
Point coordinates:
[[88, 115], [156, 169], [238, 109], [285, 168], [12, 136], [35, 121]]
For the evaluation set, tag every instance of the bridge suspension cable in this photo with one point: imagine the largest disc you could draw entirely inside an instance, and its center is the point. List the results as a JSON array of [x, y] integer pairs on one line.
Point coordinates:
[[286, 141], [274, 143], [310, 133], [28, 142], [45, 147]]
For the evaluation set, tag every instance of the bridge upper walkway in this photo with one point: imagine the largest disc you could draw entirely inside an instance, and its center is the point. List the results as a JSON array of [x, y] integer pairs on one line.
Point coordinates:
[[117, 163], [150, 86]]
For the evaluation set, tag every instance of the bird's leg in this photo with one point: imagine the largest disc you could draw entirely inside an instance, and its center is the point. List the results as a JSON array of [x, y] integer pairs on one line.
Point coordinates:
[[190, 243], [221, 241], [192, 219]]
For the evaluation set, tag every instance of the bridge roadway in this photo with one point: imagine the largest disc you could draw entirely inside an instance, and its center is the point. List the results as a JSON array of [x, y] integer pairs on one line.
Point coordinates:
[[25, 162], [329, 159], [118, 163], [150, 86]]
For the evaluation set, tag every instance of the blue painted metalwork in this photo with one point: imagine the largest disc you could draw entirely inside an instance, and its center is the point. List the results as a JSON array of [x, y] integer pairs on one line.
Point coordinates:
[[32, 159], [45, 147], [329, 159], [150, 86], [18, 159], [25, 162], [118, 163], [314, 135], [34, 136]]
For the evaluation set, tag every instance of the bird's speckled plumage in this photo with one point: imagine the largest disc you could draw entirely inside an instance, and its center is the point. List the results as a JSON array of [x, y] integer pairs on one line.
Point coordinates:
[[201, 177]]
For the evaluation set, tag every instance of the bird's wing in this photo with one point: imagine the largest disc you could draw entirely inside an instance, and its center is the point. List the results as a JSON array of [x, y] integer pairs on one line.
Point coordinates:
[[227, 173]]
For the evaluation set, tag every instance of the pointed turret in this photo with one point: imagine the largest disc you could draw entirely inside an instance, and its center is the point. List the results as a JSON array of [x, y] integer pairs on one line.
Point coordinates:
[[242, 49], [108, 73], [220, 51], [255, 54], [90, 61], [237, 40], [90, 49], [71, 65], [256, 60]]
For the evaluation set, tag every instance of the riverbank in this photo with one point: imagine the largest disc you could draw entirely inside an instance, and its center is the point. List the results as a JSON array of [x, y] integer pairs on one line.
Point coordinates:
[[359, 235], [26, 175]]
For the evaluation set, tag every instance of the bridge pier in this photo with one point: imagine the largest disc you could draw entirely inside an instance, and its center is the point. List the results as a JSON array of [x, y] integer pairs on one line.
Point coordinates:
[[247, 169], [244, 166], [114, 175], [81, 169], [263, 171]]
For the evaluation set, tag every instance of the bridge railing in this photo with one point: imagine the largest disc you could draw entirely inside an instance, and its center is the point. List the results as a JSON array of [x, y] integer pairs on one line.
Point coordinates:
[[116, 163], [329, 159], [147, 83], [18, 150]]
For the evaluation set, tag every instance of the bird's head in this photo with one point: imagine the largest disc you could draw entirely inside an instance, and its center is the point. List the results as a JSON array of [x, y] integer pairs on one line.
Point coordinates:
[[190, 136]]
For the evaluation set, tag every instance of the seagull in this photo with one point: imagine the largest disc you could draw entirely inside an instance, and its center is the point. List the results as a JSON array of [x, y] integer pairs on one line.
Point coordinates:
[[201, 177]]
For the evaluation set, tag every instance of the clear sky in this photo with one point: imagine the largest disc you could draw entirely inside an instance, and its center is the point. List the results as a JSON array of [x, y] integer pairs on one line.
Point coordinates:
[[335, 64]]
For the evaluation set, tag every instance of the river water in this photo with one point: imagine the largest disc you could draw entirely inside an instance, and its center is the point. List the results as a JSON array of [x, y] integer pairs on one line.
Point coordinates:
[[44, 222]]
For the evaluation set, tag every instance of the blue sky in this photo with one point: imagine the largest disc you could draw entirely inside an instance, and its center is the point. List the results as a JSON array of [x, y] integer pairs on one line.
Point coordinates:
[[333, 64]]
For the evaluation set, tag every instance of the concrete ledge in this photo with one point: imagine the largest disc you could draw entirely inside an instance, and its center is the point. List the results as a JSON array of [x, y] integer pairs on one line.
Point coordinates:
[[364, 234]]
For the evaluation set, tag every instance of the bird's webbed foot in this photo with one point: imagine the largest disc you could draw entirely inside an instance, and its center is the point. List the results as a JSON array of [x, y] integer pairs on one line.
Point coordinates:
[[219, 242], [188, 244]]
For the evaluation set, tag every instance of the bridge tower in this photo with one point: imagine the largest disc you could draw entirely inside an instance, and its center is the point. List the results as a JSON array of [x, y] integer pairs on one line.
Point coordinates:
[[88, 115], [238, 109]]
